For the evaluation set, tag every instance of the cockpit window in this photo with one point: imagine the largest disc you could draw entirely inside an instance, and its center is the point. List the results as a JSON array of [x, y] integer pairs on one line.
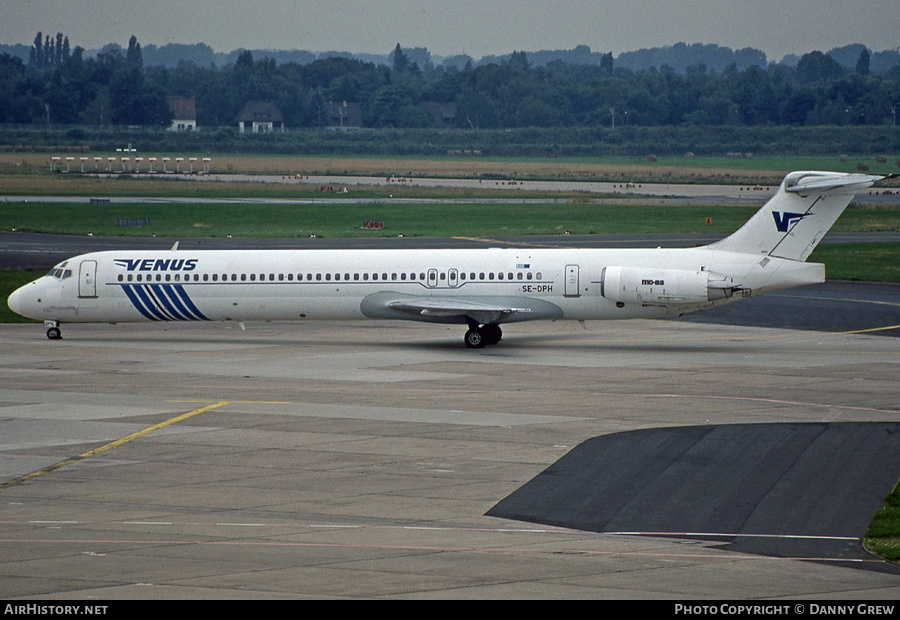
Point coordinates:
[[60, 272]]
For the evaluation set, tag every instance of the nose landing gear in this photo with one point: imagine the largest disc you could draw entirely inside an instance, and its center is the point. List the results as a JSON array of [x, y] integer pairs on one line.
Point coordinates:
[[53, 331]]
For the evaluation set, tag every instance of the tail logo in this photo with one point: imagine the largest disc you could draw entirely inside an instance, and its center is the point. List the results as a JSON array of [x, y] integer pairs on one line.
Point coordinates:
[[784, 220]]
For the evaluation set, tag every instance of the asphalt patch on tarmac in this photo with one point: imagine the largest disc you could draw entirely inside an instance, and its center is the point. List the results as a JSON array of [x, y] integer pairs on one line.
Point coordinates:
[[780, 490], [833, 306]]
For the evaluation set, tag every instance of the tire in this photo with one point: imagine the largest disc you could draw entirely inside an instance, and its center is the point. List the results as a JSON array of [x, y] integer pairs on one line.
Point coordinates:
[[54, 334], [492, 333], [475, 339]]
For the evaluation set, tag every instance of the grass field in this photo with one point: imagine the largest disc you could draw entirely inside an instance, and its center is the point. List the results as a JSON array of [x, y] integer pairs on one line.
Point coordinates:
[[346, 220], [883, 536]]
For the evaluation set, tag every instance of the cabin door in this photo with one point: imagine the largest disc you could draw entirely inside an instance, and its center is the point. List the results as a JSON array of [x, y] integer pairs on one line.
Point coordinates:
[[87, 279]]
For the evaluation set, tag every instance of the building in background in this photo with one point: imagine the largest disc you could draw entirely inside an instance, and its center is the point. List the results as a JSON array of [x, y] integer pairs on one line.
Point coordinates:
[[260, 117], [184, 113]]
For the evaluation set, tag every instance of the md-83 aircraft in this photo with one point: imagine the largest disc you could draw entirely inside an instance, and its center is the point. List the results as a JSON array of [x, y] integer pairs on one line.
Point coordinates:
[[480, 288]]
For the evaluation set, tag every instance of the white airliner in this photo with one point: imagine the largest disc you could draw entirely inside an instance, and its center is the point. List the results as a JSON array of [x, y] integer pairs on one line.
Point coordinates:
[[481, 288]]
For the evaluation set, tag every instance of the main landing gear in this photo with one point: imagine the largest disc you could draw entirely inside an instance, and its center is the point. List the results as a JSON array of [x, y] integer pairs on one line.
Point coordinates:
[[479, 336], [53, 331]]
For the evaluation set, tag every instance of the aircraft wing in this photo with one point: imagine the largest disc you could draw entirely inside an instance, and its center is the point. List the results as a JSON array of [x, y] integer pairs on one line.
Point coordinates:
[[441, 309]]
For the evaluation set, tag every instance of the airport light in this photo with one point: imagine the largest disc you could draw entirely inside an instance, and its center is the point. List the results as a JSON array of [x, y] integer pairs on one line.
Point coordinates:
[[152, 159], [178, 161], [165, 162], [137, 163], [206, 161], [111, 160], [97, 161], [83, 159], [53, 162]]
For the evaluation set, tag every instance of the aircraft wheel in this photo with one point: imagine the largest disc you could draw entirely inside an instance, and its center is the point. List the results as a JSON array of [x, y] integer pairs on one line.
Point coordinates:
[[492, 333], [54, 334], [475, 338]]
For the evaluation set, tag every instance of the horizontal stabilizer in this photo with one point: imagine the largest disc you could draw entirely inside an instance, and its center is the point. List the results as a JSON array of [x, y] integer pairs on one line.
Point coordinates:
[[831, 182]]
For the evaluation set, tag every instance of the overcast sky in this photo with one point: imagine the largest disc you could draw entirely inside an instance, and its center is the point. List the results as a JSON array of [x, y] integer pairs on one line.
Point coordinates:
[[473, 27]]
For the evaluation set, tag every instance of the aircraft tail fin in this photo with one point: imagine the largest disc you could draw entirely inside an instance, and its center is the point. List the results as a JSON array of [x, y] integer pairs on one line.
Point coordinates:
[[795, 219]]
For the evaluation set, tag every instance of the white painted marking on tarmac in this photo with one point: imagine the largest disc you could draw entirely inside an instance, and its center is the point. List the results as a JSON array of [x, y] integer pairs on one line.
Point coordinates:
[[735, 535]]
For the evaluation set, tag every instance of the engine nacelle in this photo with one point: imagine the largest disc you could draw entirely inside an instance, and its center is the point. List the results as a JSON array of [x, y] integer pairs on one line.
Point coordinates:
[[652, 286]]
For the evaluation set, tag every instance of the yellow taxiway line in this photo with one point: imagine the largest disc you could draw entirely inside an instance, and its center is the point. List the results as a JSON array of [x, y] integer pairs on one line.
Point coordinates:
[[112, 444]]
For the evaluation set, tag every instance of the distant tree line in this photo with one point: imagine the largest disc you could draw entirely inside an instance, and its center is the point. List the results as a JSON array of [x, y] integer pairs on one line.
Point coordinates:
[[61, 86]]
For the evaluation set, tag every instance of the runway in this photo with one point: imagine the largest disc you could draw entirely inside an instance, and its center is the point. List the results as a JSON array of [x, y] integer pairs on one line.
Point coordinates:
[[362, 460]]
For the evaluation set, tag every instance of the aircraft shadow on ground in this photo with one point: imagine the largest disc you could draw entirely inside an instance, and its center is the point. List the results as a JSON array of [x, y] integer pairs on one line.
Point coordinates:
[[804, 490]]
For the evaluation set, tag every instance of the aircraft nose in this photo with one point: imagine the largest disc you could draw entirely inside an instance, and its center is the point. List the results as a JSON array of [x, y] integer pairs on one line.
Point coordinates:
[[15, 301]]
